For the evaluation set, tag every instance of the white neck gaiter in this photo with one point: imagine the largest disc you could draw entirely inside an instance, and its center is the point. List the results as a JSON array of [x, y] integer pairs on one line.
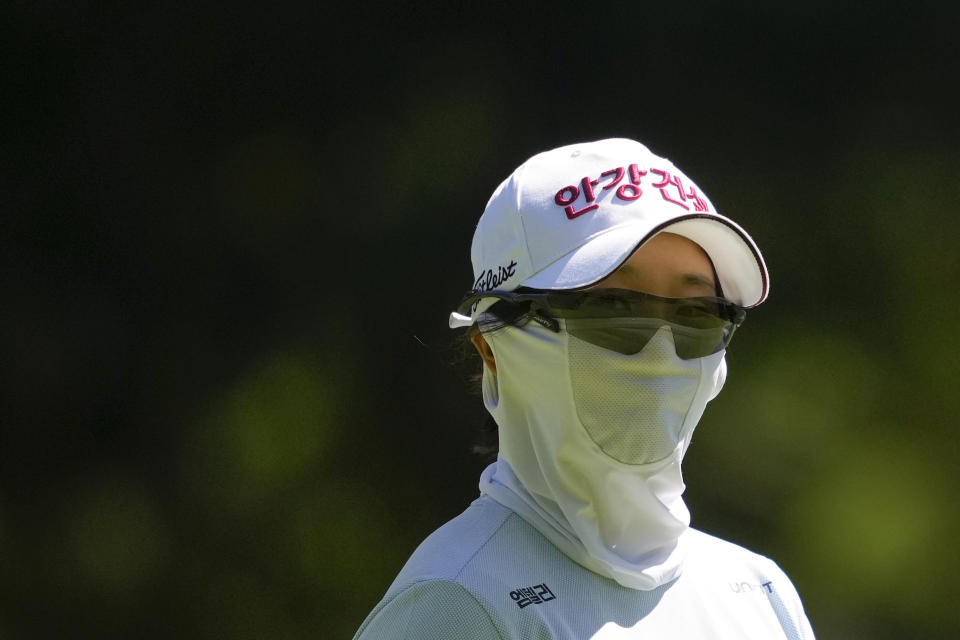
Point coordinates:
[[591, 442]]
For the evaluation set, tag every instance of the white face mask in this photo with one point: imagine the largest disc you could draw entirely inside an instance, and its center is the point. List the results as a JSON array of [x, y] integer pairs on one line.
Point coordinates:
[[591, 442]]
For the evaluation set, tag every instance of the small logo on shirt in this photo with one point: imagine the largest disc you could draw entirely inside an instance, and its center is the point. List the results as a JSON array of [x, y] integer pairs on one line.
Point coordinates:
[[537, 594], [747, 587]]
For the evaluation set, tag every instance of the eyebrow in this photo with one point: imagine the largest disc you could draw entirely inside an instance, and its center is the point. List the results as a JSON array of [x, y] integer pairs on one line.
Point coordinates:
[[699, 279], [690, 278]]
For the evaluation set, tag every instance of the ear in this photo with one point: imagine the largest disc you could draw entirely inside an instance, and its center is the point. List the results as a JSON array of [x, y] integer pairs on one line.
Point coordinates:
[[483, 348]]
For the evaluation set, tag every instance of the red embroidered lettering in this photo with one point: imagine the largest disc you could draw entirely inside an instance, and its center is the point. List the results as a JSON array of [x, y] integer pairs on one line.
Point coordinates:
[[699, 204], [619, 176], [670, 180], [569, 194], [573, 213], [562, 200], [588, 186], [634, 185]]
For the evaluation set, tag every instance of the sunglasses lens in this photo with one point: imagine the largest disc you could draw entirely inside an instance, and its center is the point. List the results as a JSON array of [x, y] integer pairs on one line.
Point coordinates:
[[622, 335], [630, 335], [698, 343]]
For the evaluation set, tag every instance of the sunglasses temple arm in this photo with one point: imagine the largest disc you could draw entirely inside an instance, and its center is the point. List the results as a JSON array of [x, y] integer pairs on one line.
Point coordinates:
[[543, 319]]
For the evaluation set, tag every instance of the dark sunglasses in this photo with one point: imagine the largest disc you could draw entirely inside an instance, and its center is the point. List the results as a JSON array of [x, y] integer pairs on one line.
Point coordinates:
[[621, 320]]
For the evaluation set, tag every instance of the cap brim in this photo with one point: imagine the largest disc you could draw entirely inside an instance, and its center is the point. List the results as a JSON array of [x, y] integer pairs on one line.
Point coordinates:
[[739, 265]]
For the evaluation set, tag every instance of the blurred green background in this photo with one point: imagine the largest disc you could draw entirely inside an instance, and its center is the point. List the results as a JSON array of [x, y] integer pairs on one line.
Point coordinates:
[[230, 238]]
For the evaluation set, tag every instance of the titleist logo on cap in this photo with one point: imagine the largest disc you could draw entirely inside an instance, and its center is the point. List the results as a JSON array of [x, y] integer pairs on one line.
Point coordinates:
[[490, 279]]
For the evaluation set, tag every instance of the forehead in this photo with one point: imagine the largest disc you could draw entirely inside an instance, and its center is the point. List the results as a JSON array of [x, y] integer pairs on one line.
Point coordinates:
[[667, 251]]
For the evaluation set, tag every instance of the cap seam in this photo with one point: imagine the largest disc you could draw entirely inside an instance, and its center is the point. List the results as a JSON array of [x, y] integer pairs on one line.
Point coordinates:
[[523, 227]]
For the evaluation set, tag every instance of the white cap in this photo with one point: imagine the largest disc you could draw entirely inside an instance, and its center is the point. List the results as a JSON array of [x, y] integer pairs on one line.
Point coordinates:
[[569, 217]]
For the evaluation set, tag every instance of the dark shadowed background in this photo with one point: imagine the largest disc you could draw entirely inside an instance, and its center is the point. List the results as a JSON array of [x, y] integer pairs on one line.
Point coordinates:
[[230, 238]]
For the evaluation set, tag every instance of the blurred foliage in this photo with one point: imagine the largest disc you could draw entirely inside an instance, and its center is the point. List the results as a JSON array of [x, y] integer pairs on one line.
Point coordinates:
[[230, 239]]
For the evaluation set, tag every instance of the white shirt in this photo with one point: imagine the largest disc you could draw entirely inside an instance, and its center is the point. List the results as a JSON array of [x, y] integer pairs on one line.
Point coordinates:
[[487, 574]]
